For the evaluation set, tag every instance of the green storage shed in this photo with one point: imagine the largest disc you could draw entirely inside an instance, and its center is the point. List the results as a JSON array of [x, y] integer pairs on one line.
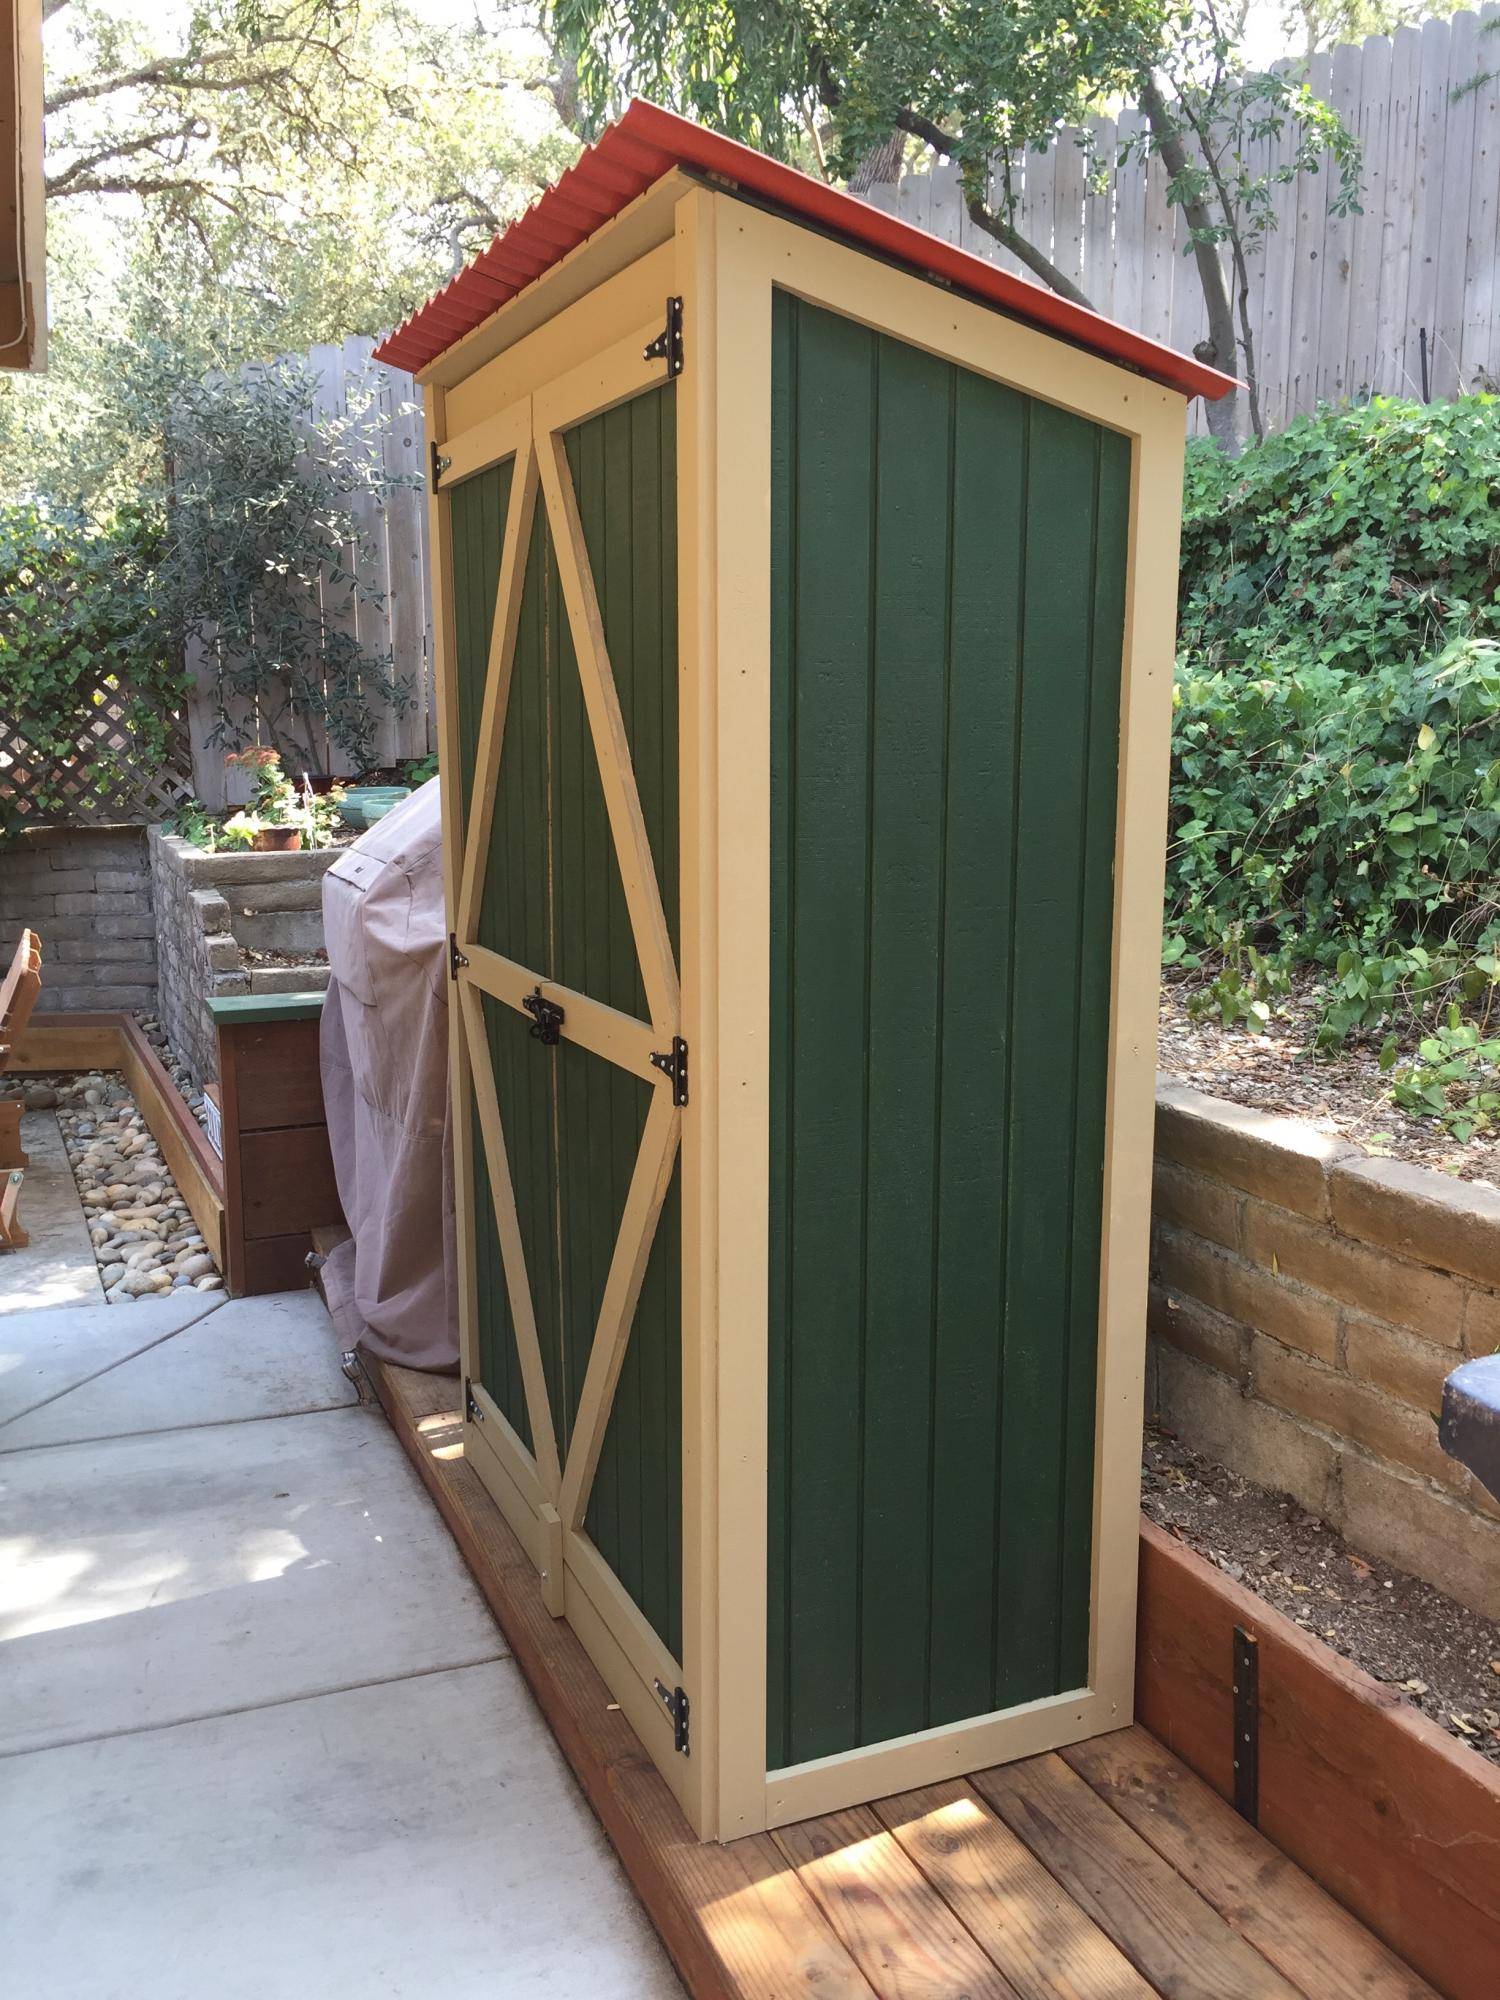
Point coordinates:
[[804, 591]]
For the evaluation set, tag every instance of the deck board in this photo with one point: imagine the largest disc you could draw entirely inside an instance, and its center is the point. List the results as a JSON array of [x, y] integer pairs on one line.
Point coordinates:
[[1111, 1874], [1298, 1927], [1019, 1913]]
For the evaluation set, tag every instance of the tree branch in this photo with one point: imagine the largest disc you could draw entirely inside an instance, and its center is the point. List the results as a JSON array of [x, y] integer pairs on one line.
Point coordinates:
[[990, 220], [1220, 349]]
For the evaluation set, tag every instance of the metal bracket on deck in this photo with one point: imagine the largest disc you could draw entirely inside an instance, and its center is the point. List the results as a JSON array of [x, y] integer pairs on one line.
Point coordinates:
[[1246, 1725]]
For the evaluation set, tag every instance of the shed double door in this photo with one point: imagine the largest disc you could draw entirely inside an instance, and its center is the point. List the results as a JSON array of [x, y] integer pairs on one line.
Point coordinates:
[[563, 636]]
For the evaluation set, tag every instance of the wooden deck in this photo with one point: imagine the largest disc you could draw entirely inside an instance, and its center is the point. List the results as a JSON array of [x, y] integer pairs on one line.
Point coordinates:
[[1106, 1872]]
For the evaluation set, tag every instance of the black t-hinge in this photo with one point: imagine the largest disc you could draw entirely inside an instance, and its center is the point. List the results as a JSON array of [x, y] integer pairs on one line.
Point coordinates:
[[667, 345], [437, 463], [455, 956], [674, 1063], [676, 1703]]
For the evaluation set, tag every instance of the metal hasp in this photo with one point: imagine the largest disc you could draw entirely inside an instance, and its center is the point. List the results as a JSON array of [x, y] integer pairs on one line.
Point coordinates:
[[437, 464], [667, 345], [675, 1702], [1247, 1725], [546, 1018], [471, 1407], [455, 957], [674, 1065], [1469, 1427]]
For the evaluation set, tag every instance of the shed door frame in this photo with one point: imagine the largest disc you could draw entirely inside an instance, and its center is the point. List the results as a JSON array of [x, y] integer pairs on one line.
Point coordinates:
[[544, 1493]]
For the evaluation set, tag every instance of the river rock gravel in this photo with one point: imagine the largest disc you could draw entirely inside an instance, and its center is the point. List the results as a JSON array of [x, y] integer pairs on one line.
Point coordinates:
[[144, 1236]]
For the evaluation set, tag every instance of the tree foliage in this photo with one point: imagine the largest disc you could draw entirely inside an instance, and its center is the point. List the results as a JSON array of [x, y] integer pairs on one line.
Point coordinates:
[[979, 84]]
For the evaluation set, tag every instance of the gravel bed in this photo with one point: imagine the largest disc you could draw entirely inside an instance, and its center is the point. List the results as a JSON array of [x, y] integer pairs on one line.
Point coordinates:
[[144, 1236], [1437, 1655], [1345, 1095]]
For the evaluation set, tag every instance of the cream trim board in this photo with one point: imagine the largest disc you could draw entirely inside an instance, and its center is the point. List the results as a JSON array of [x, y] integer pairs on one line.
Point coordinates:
[[643, 226], [637, 864], [601, 1640], [1140, 868], [803, 1791], [508, 1229], [601, 382], [497, 1456], [649, 1181], [695, 397], [736, 651], [499, 661], [911, 309], [475, 450], [627, 299], [440, 542], [603, 1030]]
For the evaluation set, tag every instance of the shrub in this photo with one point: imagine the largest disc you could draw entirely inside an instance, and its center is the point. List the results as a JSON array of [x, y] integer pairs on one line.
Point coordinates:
[[1336, 757]]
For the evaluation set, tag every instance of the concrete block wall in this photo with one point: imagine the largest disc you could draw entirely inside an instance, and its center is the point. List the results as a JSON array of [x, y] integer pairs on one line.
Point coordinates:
[[86, 892], [209, 908], [1307, 1301]]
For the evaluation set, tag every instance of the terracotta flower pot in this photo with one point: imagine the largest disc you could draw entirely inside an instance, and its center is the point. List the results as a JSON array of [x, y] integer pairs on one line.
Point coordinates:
[[277, 840]]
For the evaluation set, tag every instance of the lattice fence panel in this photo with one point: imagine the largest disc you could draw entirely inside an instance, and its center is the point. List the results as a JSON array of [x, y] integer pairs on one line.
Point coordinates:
[[107, 778]]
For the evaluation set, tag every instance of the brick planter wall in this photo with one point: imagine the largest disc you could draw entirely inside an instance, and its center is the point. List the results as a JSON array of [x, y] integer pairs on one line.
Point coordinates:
[[209, 908], [86, 892], [1307, 1301]]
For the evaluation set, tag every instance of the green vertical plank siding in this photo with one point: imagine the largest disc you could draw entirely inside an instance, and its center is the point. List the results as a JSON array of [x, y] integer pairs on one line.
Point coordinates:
[[477, 514], [477, 519], [624, 473], [948, 563], [553, 901]]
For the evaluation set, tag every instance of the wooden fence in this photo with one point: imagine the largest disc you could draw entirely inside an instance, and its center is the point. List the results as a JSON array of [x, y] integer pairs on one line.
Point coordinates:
[[1339, 305], [390, 560]]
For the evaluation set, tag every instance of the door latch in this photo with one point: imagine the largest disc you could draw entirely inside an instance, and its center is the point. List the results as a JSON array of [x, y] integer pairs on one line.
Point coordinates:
[[674, 1063], [546, 1018], [667, 345]]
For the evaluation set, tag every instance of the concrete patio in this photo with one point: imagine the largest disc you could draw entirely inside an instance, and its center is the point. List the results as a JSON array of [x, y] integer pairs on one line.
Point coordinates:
[[260, 1735]]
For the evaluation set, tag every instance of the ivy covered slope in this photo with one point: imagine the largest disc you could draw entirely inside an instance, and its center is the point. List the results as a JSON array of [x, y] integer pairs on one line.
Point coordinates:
[[1336, 766]]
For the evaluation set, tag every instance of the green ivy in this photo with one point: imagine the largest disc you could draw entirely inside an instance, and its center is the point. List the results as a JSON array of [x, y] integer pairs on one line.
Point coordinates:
[[80, 612], [1336, 752]]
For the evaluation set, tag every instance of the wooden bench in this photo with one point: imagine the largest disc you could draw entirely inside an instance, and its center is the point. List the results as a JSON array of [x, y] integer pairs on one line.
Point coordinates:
[[18, 993]]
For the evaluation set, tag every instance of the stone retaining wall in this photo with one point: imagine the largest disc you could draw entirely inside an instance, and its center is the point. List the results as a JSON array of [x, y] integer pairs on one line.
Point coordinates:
[[86, 892], [1307, 1302], [209, 909]]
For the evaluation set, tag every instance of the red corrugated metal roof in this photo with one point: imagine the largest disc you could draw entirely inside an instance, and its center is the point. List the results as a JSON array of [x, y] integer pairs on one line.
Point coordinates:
[[647, 143]]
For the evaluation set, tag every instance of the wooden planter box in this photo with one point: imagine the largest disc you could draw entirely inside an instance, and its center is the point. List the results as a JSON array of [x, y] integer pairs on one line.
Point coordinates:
[[278, 1172], [805, 642]]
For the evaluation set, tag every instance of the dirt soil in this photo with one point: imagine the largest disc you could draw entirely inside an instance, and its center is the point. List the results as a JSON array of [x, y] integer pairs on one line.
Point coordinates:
[[1344, 1095], [313, 956], [1441, 1657]]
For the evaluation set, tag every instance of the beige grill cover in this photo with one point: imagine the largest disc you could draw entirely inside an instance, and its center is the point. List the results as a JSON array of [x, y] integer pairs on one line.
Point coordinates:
[[393, 1286]]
